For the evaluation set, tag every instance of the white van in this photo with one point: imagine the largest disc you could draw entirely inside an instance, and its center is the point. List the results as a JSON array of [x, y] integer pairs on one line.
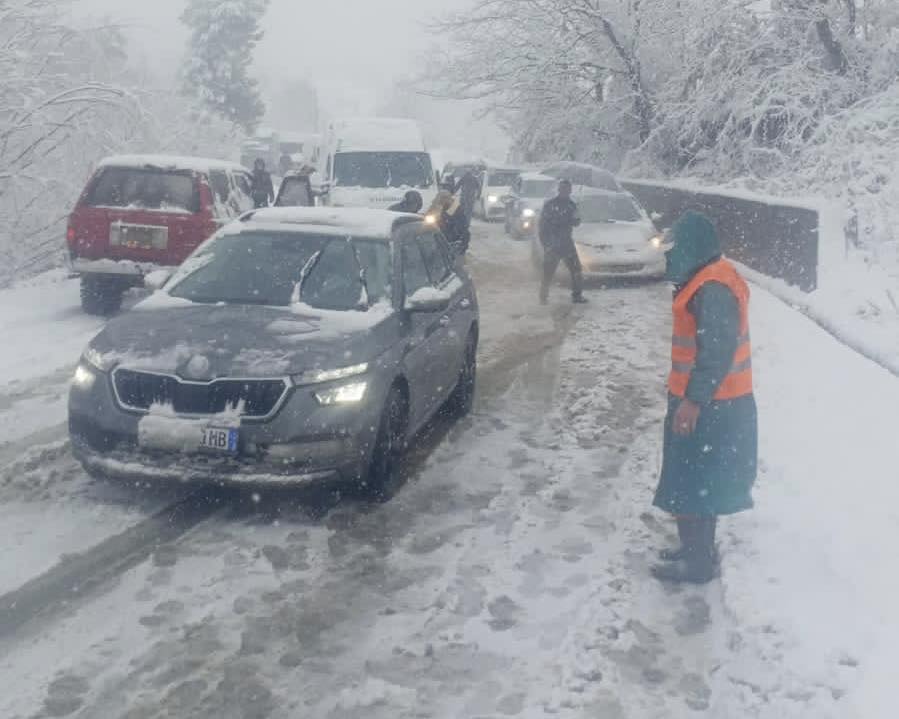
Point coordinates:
[[373, 162]]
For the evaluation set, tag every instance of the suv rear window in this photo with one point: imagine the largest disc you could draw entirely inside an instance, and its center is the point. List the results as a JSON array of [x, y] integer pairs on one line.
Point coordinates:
[[145, 189]]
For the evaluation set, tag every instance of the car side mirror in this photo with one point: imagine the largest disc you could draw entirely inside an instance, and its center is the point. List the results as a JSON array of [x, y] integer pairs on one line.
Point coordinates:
[[156, 279], [428, 299]]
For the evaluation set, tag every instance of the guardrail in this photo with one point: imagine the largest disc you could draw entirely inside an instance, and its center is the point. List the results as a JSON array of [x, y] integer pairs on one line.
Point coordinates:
[[775, 237]]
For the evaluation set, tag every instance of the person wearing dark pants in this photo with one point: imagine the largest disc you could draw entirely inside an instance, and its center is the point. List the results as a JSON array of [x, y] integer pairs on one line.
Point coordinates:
[[558, 219], [711, 431]]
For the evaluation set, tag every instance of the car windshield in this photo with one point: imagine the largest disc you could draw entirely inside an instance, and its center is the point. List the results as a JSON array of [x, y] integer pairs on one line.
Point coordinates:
[[585, 175], [537, 188], [145, 189], [608, 208], [270, 268], [501, 178], [383, 169]]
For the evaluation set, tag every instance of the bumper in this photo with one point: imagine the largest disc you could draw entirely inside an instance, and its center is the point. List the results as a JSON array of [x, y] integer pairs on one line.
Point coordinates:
[[494, 211], [302, 443], [123, 268], [648, 265]]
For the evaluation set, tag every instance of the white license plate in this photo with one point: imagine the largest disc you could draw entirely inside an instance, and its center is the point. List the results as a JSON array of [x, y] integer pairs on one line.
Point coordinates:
[[219, 439]]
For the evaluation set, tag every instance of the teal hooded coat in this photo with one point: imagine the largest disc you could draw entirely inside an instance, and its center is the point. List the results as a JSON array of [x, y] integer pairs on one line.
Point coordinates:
[[712, 471]]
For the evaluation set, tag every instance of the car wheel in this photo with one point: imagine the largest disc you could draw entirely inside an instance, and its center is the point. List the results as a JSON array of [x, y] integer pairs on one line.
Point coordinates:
[[101, 295], [389, 446], [461, 401]]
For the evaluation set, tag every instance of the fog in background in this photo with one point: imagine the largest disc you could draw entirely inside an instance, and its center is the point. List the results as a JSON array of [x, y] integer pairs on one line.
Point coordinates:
[[351, 53]]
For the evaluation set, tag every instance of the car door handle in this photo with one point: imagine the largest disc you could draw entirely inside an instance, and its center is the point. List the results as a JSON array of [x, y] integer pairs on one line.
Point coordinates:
[[444, 321], [465, 304]]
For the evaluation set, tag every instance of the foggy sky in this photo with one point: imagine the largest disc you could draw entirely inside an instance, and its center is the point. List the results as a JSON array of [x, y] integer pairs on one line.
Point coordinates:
[[344, 42]]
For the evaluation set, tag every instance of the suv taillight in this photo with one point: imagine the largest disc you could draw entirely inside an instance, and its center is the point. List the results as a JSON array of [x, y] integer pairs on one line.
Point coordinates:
[[70, 237]]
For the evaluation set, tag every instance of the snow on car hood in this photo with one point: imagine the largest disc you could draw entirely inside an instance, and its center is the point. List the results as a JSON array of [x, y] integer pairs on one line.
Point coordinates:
[[617, 234], [202, 342]]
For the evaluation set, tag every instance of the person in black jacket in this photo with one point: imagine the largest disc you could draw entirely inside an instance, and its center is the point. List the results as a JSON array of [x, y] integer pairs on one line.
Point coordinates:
[[411, 202], [447, 214], [261, 188], [557, 222], [469, 190]]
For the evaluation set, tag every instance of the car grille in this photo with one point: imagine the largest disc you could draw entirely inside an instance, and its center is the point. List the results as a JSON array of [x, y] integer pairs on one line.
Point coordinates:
[[140, 390]]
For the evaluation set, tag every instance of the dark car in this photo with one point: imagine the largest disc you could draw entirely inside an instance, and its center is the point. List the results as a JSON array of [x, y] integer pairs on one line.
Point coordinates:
[[297, 345], [525, 201], [140, 213]]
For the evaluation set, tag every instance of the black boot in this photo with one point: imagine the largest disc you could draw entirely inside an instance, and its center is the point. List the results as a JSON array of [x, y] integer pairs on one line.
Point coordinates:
[[699, 564]]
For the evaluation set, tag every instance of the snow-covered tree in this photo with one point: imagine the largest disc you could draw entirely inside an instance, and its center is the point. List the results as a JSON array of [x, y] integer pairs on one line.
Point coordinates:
[[223, 35]]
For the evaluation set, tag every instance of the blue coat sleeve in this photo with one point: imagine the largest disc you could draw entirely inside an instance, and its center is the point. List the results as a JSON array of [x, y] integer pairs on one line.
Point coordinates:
[[717, 315]]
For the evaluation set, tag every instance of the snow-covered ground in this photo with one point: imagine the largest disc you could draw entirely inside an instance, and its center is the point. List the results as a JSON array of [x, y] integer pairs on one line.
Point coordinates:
[[508, 576]]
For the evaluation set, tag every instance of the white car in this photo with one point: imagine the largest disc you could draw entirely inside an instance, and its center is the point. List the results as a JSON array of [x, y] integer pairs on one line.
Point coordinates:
[[616, 237], [496, 183]]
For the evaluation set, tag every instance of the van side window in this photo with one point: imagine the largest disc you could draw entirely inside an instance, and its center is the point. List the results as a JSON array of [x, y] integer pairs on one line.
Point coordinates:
[[243, 190]]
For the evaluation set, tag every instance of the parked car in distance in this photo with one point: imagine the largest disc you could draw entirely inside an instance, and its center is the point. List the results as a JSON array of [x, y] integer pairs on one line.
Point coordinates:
[[616, 237], [525, 201], [579, 173], [298, 345], [496, 182], [140, 213]]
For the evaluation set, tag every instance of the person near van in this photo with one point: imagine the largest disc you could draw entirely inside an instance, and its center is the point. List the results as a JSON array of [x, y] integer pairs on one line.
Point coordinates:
[[558, 219], [285, 164], [261, 188], [711, 431], [447, 214], [411, 202], [468, 190]]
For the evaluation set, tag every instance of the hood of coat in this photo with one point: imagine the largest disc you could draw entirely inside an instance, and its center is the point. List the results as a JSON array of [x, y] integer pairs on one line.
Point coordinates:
[[695, 245]]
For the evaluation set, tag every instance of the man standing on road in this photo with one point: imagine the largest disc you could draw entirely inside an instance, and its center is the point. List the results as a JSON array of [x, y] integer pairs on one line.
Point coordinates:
[[469, 190], [710, 446], [558, 219], [261, 188]]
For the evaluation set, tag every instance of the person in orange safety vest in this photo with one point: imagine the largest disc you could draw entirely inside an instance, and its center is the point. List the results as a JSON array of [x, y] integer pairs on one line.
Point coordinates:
[[711, 437]]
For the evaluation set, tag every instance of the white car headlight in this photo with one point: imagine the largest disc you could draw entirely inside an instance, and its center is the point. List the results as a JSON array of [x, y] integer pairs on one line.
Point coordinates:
[[492, 199], [318, 376], [527, 212], [342, 394], [84, 377], [658, 242], [95, 359]]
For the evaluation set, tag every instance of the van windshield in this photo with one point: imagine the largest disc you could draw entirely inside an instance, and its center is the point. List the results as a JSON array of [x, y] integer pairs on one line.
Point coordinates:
[[383, 169], [501, 178], [145, 189]]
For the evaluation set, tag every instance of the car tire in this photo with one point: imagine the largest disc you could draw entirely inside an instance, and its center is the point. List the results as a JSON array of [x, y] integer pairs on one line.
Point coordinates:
[[101, 295], [389, 446], [461, 401]]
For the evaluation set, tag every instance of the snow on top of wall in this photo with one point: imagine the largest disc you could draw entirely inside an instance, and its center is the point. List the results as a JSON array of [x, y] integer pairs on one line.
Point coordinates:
[[173, 162], [816, 204]]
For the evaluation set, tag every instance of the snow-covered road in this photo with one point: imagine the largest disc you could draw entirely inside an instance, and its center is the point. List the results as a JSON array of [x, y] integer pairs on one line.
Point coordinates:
[[508, 576]]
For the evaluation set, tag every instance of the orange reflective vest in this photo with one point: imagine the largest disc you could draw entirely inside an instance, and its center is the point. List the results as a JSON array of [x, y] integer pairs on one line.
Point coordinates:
[[738, 381]]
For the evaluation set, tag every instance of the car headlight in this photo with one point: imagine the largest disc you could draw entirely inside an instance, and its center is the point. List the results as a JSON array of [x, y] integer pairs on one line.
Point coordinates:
[[97, 360], [430, 219], [658, 242], [84, 377], [492, 199], [318, 376], [351, 393], [527, 212]]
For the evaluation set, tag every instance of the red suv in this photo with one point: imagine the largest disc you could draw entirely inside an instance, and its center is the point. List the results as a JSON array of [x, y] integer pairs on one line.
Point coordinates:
[[140, 213]]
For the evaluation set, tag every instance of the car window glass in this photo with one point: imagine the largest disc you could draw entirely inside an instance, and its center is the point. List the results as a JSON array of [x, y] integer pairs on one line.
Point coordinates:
[[145, 189], [243, 191], [434, 259], [334, 281], [219, 182], [294, 193], [415, 273], [449, 255]]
